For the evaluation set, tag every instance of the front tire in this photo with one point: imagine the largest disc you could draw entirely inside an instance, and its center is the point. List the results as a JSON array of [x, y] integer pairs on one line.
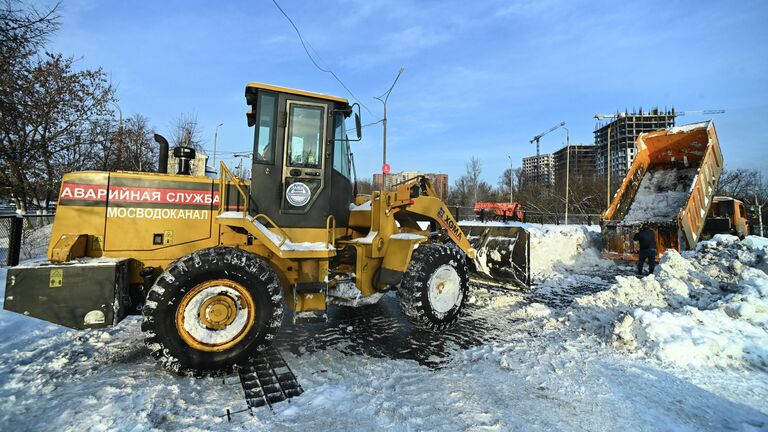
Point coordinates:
[[211, 310], [435, 287]]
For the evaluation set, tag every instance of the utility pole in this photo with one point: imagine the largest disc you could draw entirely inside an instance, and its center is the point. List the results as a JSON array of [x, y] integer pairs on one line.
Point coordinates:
[[759, 206], [383, 99], [510, 179], [241, 156], [215, 140], [567, 168], [120, 131], [608, 166], [608, 159]]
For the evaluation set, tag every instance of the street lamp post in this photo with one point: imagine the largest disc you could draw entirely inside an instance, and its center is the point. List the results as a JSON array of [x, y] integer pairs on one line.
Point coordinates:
[[241, 156], [759, 206], [608, 165], [608, 159], [383, 99], [120, 131], [215, 140], [510, 178], [567, 169]]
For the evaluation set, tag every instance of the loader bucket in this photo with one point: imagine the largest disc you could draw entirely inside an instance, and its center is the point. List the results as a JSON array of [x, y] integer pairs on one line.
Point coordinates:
[[503, 253]]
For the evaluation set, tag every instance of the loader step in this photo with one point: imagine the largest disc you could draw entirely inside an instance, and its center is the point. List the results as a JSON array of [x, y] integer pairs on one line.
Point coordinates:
[[267, 379], [311, 287], [310, 317]]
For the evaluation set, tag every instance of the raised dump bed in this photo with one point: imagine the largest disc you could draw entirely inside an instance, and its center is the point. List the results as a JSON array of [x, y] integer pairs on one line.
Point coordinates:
[[670, 186]]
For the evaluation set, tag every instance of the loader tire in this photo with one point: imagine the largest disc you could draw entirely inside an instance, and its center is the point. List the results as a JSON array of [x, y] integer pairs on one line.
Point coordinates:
[[435, 286], [211, 310]]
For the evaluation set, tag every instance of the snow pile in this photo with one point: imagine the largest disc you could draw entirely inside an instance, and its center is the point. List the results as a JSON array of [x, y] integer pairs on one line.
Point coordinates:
[[707, 308], [559, 247], [661, 195], [510, 364], [532, 311], [554, 249]]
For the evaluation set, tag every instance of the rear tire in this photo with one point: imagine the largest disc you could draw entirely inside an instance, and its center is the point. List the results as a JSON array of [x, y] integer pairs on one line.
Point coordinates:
[[211, 310], [435, 286]]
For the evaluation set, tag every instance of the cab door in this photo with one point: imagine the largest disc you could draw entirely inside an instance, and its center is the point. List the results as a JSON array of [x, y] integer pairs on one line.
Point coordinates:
[[304, 158]]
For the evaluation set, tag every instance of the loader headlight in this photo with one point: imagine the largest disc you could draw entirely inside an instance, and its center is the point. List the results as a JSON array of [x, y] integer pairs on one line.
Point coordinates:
[[94, 317]]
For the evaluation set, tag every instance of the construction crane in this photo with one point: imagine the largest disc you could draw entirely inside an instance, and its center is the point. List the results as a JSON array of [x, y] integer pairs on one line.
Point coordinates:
[[701, 112], [538, 137], [676, 114]]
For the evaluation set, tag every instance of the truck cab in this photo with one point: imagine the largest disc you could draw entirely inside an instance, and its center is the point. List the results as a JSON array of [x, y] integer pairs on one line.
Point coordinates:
[[726, 216]]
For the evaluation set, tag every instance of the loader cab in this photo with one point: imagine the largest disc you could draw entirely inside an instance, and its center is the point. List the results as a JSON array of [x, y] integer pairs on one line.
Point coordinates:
[[301, 171]]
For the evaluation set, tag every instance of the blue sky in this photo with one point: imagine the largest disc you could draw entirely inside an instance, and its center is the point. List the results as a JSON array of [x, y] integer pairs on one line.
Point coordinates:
[[482, 77]]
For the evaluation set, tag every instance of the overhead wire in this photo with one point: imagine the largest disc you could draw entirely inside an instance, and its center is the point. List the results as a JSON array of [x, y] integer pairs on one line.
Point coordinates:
[[312, 59], [365, 125]]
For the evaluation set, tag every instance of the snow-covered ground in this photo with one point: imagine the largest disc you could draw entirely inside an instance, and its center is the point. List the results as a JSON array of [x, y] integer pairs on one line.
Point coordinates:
[[589, 347]]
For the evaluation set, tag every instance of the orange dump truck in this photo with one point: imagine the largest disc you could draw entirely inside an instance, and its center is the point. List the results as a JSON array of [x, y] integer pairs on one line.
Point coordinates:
[[500, 210], [670, 185]]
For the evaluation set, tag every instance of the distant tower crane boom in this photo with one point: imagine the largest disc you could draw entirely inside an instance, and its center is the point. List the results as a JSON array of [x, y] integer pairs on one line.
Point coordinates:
[[703, 112], [538, 137], [676, 114]]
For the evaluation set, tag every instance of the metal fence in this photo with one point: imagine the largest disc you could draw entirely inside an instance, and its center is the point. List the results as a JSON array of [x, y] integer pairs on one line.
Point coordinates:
[[23, 237], [468, 213]]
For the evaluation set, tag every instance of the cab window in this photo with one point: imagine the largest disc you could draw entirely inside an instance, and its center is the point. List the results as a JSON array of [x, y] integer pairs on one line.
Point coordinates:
[[340, 147], [265, 129], [305, 136]]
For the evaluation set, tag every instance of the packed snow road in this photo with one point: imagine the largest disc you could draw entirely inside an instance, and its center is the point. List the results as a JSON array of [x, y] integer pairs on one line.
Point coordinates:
[[585, 349]]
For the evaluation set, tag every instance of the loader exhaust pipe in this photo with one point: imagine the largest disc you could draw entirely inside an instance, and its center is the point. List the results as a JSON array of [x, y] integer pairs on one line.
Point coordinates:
[[162, 162], [184, 156]]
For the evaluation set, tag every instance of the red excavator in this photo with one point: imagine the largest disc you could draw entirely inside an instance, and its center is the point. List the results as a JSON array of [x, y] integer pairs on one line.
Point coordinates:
[[500, 211]]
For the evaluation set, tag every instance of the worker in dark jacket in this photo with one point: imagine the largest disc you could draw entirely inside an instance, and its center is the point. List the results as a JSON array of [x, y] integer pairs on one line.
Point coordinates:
[[647, 240]]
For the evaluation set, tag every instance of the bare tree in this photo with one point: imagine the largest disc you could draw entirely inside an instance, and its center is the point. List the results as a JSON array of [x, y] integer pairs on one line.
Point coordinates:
[[140, 147], [187, 132], [24, 30], [739, 183], [749, 187], [47, 107], [474, 169], [507, 182], [364, 186], [470, 188]]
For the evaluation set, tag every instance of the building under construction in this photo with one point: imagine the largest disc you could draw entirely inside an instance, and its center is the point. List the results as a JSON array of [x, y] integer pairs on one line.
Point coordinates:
[[622, 131], [581, 165], [539, 170]]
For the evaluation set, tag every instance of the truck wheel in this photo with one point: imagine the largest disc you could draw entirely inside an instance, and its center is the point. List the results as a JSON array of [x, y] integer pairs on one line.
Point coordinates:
[[211, 310], [433, 290]]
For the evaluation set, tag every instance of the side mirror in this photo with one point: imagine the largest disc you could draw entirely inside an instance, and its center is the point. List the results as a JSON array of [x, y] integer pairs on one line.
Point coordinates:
[[358, 127]]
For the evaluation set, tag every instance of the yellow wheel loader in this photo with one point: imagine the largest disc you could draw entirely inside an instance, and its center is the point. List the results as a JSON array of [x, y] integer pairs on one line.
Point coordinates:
[[212, 264]]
